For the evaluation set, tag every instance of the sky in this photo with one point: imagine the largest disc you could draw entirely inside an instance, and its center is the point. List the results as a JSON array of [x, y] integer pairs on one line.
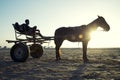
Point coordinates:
[[48, 15]]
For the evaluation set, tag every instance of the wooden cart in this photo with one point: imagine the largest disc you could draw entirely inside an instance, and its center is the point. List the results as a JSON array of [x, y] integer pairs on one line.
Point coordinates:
[[27, 44]]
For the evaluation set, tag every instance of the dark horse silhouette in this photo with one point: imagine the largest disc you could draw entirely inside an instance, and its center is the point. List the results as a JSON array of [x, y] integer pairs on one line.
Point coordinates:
[[78, 34]]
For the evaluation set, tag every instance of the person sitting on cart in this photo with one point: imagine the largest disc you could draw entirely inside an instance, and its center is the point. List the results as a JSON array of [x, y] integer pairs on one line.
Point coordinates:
[[30, 30], [26, 29]]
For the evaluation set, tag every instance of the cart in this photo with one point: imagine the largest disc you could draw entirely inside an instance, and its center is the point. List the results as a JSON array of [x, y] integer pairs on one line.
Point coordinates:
[[27, 44]]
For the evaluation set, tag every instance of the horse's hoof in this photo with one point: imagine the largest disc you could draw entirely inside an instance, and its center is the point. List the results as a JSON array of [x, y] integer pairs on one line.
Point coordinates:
[[86, 61], [58, 59]]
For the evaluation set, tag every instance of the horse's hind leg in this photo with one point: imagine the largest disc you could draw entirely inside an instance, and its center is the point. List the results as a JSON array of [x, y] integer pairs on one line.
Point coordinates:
[[58, 43]]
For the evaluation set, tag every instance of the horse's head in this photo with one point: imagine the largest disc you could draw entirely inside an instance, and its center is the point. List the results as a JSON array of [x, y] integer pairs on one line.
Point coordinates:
[[102, 23]]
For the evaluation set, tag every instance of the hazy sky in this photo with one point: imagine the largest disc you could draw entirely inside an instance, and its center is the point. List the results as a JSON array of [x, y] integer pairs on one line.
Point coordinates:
[[49, 15]]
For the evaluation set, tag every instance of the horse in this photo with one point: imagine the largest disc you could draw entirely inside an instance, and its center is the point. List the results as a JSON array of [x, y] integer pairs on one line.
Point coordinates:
[[78, 34]]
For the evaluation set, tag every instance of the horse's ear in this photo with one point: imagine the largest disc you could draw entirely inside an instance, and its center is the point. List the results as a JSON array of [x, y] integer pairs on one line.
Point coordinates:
[[99, 16]]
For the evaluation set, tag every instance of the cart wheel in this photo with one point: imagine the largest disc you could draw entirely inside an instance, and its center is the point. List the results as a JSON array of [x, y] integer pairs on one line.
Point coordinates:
[[19, 52], [36, 50]]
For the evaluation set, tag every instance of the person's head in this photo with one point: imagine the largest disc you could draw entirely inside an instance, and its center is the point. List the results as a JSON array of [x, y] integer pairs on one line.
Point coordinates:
[[16, 24], [27, 21]]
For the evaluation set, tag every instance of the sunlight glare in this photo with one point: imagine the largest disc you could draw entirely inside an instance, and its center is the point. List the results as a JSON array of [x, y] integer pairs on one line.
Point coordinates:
[[80, 36], [97, 38], [97, 34]]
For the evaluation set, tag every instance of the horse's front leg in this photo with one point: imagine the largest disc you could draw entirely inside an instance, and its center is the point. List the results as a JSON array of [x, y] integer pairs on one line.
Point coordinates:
[[84, 44]]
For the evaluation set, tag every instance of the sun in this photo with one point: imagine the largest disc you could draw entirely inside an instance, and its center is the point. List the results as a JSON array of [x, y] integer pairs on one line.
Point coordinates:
[[97, 39], [96, 35]]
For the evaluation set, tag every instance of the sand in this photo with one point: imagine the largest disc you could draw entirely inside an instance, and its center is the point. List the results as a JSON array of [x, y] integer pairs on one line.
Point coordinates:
[[104, 65]]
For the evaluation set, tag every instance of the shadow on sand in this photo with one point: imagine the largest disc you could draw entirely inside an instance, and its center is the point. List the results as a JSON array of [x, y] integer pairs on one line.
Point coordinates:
[[76, 75]]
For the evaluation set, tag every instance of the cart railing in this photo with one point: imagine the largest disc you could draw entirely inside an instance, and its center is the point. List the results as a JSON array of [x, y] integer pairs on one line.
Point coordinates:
[[28, 38]]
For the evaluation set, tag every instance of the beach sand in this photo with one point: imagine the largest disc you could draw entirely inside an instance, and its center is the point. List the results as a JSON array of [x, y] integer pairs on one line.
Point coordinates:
[[104, 65]]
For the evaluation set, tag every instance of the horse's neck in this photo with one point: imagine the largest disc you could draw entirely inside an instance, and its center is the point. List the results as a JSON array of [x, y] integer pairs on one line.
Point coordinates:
[[92, 26]]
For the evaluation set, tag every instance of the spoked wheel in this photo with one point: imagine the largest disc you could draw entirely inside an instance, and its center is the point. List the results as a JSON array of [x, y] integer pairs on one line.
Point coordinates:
[[36, 50], [19, 52]]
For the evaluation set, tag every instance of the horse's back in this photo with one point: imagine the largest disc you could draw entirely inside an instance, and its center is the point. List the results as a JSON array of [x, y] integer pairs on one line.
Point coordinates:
[[70, 30], [62, 31]]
